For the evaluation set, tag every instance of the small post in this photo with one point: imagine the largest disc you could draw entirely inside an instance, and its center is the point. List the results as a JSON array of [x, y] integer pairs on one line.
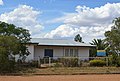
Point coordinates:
[[79, 61], [39, 64], [49, 61], [107, 61], [44, 59]]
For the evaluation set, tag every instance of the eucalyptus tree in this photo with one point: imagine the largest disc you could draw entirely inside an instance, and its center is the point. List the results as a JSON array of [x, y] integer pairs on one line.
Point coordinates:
[[113, 41], [113, 36], [12, 42]]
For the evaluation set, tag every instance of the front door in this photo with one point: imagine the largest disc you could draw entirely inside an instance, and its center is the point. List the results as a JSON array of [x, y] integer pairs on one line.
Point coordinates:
[[48, 52]]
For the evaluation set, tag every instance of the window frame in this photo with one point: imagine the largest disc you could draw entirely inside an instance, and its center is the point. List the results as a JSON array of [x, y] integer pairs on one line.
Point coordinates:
[[71, 52]]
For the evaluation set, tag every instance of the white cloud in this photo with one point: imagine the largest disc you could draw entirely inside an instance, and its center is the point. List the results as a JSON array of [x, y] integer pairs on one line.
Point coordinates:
[[89, 22], [24, 16], [1, 2], [62, 31]]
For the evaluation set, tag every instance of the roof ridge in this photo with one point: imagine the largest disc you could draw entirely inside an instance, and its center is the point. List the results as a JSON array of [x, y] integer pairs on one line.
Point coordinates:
[[52, 39], [59, 42]]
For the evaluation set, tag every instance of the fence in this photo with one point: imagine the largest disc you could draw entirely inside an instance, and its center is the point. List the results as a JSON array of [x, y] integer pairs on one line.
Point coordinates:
[[73, 61]]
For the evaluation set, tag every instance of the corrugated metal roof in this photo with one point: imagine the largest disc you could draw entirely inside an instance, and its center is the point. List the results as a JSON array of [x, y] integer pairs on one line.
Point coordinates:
[[58, 42]]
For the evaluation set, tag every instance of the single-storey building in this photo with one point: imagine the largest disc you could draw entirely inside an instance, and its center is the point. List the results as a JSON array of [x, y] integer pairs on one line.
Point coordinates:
[[56, 48]]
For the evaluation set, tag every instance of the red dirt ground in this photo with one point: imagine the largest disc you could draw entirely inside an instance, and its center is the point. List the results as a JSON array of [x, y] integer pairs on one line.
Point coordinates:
[[109, 77]]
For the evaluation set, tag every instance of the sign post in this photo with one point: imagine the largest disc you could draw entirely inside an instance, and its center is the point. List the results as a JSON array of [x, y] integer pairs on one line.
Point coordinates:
[[101, 53]]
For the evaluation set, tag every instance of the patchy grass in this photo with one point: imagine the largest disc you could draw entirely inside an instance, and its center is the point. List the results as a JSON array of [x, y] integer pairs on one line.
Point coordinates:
[[78, 70], [67, 71], [27, 70]]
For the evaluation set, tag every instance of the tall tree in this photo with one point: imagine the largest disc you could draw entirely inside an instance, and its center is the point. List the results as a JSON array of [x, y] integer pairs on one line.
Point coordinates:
[[113, 41], [11, 30], [12, 42], [21, 34], [78, 38], [113, 36]]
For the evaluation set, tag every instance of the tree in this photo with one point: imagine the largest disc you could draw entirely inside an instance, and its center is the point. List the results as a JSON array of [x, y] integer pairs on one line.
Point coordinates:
[[78, 38], [113, 41], [100, 46], [113, 36], [9, 46], [11, 30], [21, 34], [99, 43], [12, 42]]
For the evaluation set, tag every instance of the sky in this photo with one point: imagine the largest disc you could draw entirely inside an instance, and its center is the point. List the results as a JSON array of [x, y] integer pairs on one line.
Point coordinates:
[[61, 19]]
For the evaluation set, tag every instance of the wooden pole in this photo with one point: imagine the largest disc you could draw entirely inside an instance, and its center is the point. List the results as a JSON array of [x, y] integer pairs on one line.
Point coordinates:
[[39, 64], [49, 61]]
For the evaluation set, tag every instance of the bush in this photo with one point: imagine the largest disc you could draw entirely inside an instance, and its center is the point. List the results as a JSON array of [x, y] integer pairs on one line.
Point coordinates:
[[69, 62], [114, 60], [7, 66], [118, 62], [97, 63], [57, 64], [33, 63]]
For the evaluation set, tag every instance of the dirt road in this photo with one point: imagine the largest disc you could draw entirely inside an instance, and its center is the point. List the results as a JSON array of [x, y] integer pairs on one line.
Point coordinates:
[[112, 77]]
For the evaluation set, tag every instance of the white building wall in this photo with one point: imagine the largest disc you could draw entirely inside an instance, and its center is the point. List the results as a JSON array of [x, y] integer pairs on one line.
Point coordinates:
[[83, 52], [39, 51], [59, 51], [31, 50], [30, 56]]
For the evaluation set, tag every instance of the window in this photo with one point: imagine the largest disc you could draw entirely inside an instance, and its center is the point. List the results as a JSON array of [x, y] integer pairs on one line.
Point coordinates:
[[66, 52], [75, 52], [71, 52], [48, 52]]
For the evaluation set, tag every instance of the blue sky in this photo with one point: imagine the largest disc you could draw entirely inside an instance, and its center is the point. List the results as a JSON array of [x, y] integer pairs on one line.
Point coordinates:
[[54, 18]]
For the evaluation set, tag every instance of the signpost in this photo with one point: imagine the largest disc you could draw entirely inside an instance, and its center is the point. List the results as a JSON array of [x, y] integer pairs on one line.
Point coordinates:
[[101, 53]]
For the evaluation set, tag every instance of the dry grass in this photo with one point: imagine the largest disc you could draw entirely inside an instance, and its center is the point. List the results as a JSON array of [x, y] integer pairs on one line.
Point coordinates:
[[77, 70], [67, 71]]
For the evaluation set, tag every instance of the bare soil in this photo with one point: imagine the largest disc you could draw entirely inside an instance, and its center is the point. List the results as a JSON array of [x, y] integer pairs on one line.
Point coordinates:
[[109, 77]]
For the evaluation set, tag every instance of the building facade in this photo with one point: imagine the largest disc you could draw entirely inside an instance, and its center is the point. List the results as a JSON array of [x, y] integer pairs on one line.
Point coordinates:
[[55, 48]]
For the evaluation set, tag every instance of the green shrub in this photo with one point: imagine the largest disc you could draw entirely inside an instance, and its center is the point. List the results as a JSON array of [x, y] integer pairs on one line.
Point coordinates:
[[69, 62], [97, 63], [118, 61], [33, 63], [114, 60], [6, 65], [57, 64]]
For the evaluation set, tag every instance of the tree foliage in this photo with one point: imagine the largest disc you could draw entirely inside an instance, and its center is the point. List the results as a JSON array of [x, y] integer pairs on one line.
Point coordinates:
[[11, 30], [113, 36], [78, 38], [113, 41], [100, 46], [22, 35], [99, 43], [9, 46], [12, 42]]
